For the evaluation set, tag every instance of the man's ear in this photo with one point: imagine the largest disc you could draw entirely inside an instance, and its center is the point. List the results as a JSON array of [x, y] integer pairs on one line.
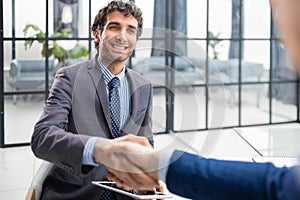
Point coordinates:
[[96, 34]]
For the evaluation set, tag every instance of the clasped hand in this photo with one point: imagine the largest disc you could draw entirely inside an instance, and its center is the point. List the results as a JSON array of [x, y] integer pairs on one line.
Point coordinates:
[[131, 162]]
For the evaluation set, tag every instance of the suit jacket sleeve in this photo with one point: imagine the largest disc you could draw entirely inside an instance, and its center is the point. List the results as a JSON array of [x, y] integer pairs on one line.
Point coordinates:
[[195, 177], [52, 140]]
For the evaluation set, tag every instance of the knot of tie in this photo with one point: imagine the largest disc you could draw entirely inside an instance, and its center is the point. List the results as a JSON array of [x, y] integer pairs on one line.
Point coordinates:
[[115, 82]]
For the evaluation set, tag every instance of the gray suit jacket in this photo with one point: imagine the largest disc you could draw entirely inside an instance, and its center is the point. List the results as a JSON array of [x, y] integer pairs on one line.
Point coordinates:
[[78, 108]]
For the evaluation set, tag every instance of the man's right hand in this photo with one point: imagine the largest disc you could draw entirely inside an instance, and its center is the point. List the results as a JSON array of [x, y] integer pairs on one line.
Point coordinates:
[[131, 161]]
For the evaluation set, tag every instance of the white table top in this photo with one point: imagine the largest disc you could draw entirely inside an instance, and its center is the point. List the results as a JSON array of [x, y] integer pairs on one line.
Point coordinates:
[[273, 141]]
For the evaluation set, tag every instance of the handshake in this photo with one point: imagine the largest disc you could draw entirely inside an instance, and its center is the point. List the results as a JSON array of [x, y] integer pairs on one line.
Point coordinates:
[[131, 162]]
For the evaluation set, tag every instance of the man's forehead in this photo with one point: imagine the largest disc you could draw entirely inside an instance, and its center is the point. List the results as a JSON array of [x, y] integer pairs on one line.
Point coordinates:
[[121, 18]]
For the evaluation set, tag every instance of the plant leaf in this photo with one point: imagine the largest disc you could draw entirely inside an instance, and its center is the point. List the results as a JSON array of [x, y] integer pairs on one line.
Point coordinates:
[[58, 51], [34, 27], [78, 51], [60, 34], [28, 44]]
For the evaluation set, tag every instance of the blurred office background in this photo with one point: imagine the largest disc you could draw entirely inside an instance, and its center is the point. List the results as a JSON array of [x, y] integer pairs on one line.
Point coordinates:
[[214, 64]]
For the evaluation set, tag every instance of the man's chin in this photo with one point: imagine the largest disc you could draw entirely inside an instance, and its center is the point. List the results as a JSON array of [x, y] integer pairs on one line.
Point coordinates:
[[120, 59]]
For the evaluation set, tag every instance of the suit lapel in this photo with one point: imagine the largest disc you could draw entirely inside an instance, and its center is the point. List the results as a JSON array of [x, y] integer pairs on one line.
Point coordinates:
[[99, 83], [130, 126], [133, 89]]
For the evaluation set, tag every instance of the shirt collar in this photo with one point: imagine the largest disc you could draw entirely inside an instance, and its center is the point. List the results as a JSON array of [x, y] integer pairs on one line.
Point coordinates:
[[108, 76]]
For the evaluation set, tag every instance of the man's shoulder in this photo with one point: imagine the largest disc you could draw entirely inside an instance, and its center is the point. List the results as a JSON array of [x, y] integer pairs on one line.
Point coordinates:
[[75, 67], [137, 76]]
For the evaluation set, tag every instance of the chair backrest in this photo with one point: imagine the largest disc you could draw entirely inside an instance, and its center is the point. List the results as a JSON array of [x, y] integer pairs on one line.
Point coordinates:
[[35, 190], [30, 194]]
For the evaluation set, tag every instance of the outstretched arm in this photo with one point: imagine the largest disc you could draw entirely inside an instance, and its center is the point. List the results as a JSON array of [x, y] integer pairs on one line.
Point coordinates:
[[195, 177]]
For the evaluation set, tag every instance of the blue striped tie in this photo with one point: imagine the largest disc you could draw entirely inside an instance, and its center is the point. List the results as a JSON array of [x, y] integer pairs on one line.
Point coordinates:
[[114, 106], [114, 110]]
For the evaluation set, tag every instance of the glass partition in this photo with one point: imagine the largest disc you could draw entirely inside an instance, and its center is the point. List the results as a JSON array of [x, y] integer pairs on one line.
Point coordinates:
[[222, 66]]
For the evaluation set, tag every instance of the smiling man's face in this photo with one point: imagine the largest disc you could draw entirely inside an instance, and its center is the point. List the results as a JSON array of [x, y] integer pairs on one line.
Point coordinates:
[[118, 38]]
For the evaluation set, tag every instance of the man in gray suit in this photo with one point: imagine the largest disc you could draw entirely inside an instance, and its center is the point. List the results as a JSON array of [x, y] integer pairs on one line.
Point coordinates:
[[195, 177], [80, 112]]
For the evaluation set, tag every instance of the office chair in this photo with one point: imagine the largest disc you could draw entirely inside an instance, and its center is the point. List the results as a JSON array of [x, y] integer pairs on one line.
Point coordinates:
[[35, 189]]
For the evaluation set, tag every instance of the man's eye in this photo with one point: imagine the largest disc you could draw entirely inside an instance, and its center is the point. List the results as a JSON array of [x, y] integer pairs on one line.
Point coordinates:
[[113, 27], [131, 31]]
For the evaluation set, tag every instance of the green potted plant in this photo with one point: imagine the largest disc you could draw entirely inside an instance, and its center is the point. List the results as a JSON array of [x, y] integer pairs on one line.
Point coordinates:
[[55, 49], [214, 43]]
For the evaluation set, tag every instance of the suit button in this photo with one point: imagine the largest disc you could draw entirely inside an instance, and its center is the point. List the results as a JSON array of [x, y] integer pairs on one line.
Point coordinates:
[[71, 170]]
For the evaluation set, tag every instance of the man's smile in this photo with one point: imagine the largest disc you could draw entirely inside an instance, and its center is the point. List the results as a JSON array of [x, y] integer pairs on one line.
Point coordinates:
[[119, 47]]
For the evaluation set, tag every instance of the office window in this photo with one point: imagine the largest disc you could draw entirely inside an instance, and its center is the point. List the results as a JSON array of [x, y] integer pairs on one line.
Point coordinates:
[[213, 64]]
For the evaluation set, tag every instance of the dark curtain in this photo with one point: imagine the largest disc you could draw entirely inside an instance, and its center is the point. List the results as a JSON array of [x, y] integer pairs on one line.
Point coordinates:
[[281, 71], [61, 6], [179, 26], [235, 29]]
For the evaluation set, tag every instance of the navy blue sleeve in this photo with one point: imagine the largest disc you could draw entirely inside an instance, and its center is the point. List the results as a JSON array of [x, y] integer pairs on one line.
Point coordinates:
[[195, 177]]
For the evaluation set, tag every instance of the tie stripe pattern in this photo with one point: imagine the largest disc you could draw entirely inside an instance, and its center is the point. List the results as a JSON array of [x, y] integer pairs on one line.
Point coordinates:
[[108, 195], [114, 106], [115, 111]]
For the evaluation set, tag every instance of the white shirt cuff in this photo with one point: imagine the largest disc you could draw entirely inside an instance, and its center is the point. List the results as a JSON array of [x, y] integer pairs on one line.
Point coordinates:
[[87, 157], [163, 164]]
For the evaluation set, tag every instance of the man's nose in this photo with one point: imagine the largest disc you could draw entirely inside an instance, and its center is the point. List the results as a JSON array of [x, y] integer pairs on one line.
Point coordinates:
[[122, 35]]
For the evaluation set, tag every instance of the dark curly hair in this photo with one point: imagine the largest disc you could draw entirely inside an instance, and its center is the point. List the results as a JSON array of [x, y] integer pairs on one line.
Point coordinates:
[[129, 8]]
